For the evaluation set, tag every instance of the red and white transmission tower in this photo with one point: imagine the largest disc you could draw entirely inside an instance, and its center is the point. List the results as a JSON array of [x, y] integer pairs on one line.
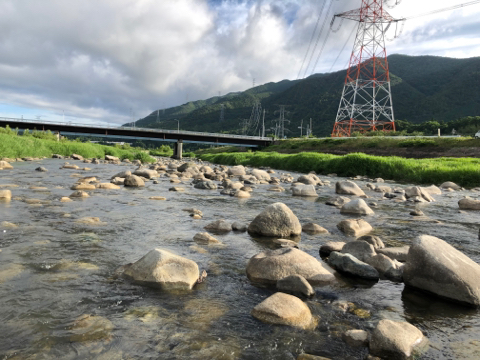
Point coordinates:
[[366, 103]]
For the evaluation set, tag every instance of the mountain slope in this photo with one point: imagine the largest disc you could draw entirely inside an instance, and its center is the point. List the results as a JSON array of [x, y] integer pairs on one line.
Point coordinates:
[[423, 88]]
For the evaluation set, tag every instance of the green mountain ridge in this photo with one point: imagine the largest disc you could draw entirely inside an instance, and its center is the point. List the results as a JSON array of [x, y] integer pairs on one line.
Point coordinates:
[[423, 88]]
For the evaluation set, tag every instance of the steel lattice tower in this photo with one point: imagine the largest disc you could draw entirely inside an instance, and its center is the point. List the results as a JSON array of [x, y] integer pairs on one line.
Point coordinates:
[[366, 103]]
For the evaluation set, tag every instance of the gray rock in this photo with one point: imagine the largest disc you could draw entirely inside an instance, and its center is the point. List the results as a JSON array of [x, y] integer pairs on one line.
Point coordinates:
[[313, 229], [337, 201], [205, 185], [236, 170], [281, 243], [467, 203], [386, 267], [396, 340], [356, 207], [219, 226], [186, 166], [295, 284], [133, 181], [362, 250], [450, 185], [237, 226], [356, 338], [330, 246], [122, 174], [432, 190], [304, 190], [348, 188], [349, 264], [205, 238], [416, 191], [163, 269], [354, 227], [437, 267], [41, 169], [395, 253], [277, 220], [284, 309], [272, 265], [146, 173], [417, 212], [375, 241]]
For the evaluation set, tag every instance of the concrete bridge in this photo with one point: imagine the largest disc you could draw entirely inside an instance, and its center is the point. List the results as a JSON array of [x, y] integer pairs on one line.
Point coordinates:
[[177, 136]]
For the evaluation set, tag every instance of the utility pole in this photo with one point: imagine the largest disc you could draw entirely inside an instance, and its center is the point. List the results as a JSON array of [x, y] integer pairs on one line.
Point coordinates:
[[311, 127], [158, 114], [301, 128], [222, 112], [366, 103], [263, 124]]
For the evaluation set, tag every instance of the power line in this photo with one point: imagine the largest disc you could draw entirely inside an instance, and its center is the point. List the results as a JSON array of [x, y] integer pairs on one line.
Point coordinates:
[[343, 48], [311, 39], [444, 9]]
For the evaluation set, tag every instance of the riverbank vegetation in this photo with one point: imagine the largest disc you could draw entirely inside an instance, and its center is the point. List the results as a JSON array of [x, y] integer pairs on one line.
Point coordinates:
[[39, 144], [464, 171]]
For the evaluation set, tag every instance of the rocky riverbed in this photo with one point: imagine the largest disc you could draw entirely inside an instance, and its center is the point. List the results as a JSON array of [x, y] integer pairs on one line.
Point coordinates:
[[248, 281]]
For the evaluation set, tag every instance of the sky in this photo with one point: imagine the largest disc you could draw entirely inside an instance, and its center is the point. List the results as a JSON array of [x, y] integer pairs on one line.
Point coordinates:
[[114, 61]]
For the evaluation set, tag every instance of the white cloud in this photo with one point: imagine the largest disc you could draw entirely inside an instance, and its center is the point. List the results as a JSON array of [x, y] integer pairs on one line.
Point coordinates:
[[99, 59]]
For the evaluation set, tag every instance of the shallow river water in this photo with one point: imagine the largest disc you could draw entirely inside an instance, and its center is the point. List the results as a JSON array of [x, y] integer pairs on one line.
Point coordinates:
[[54, 270]]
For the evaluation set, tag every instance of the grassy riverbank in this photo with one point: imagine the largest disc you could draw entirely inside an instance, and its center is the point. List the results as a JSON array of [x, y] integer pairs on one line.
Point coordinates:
[[18, 146], [464, 171]]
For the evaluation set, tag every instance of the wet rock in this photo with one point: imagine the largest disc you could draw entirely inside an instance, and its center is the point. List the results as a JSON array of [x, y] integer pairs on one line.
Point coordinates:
[[219, 226], [375, 241], [237, 226], [396, 253], [281, 243], [417, 212], [40, 169], [396, 340], [111, 158], [205, 238], [163, 269], [313, 229], [122, 174], [360, 249], [432, 190], [272, 265], [384, 265], [450, 185], [77, 157], [348, 188], [437, 267], [416, 191], [337, 201], [91, 328], [277, 220], [284, 309], [68, 166], [90, 220], [383, 189], [467, 203], [356, 207], [330, 246], [107, 186], [276, 188], [304, 190], [356, 338], [236, 170], [354, 227], [66, 199], [295, 284], [187, 166], [177, 189], [311, 357], [133, 181], [242, 194], [79, 194], [83, 186], [146, 173], [10, 271], [193, 211], [349, 264], [118, 181], [5, 195], [7, 225], [205, 185], [260, 174], [157, 198]]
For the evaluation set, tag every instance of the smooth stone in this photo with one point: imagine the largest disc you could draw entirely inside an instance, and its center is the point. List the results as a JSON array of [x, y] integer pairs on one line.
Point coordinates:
[[304, 190], [313, 229], [467, 203], [356, 338], [354, 227], [87, 328], [5, 195], [450, 185], [277, 220], [362, 250], [330, 246], [337, 201], [83, 186], [237, 226], [122, 174], [134, 181], [356, 207], [395, 253], [349, 264], [107, 186], [219, 226], [375, 241], [79, 194], [284, 309], [205, 238], [285, 243], [40, 169], [177, 189], [348, 188], [295, 284], [157, 198], [418, 192], [90, 220]]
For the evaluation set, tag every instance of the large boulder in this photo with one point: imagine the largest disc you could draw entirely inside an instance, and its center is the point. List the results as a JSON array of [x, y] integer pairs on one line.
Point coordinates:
[[237, 170], [277, 220], [356, 207], [348, 188], [437, 267], [205, 185], [349, 264], [450, 185], [304, 190], [272, 265], [396, 340], [261, 174], [134, 181], [467, 203], [362, 250], [162, 269], [146, 173], [309, 179], [416, 191], [284, 309], [219, 226], [354, 227], [338, 201]]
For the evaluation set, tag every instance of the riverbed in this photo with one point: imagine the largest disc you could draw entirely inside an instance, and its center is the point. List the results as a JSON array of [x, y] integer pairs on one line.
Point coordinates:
[[55, 270]]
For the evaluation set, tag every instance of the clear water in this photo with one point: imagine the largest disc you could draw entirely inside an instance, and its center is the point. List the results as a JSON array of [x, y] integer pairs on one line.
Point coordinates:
[[54, 270]]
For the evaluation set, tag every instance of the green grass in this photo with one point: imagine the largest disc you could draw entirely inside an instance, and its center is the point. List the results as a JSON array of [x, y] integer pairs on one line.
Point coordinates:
[[463, 171], [15, 146]]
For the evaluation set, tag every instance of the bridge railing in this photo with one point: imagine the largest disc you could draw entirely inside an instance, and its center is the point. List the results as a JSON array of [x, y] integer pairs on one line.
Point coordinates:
[[107, 127]]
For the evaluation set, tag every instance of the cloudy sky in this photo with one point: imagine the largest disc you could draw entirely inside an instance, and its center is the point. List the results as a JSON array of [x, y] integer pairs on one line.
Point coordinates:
[[108, 61]]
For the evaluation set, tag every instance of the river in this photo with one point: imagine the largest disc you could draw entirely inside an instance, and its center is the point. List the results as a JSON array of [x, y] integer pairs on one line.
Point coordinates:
[[54, 270]]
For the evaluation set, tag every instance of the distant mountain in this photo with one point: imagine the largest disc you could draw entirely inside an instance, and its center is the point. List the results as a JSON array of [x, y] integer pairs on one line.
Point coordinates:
[[423, 88]]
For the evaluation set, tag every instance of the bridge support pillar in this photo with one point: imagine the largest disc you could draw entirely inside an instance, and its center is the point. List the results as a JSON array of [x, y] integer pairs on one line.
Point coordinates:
[[178, 149], [57, 135]]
